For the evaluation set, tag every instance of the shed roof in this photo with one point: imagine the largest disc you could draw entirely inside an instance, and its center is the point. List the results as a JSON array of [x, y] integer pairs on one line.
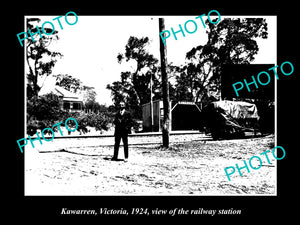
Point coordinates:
[[61, 92], [185, 103]]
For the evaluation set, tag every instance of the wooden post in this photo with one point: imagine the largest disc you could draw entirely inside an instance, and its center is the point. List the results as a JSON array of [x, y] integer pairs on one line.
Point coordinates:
[[165, 87], [151, 103]]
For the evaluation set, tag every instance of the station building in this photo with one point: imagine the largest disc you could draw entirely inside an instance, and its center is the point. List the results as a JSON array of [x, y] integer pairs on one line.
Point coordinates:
[[183, 116]]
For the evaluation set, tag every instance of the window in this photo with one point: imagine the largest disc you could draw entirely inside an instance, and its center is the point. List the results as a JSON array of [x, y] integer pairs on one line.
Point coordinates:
[[76, 105], [66, 105]]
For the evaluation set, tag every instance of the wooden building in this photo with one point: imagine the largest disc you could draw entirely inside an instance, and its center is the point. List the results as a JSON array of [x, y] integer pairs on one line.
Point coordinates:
[[68, 101], [183, 116], [153, 116]]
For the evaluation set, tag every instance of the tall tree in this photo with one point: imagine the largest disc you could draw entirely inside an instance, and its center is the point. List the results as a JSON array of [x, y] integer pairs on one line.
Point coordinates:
[[135, 49], [39, 58], [196, 73], [134, 85], [232, 41]]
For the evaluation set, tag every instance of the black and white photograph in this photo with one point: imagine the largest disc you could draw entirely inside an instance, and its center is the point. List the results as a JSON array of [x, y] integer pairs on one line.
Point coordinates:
[[175, 113], [132, 137]]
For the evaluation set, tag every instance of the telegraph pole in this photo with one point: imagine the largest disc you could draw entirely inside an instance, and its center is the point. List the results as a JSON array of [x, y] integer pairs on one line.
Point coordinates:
[[165, 87], [151, 102]]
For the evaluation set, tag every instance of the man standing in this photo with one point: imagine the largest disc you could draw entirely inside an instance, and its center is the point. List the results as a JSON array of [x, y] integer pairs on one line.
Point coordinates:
[[123, 124]]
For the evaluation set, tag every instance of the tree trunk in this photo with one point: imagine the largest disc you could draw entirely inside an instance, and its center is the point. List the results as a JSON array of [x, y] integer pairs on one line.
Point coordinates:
[[165, 88]]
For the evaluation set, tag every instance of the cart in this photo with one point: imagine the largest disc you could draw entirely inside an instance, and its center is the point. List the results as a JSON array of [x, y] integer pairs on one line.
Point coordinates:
[[229, 119]]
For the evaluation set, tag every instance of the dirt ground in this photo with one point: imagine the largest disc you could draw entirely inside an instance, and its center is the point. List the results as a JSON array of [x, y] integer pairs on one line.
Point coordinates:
[[193, 167]]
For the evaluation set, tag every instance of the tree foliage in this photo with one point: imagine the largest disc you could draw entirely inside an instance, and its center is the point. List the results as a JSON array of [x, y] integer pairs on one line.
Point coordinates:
[[39, 58], [68, 82], [42, 112], [75, 85], [134, 86], [232, 41]]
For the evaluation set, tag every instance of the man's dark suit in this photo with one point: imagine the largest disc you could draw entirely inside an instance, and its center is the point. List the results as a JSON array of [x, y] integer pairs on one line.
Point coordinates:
[[123, 124]]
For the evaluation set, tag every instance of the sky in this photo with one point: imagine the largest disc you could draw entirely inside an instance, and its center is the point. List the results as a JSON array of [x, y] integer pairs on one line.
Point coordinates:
[[90, 47]]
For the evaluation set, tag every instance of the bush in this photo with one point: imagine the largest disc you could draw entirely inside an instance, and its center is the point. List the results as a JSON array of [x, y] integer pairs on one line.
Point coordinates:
[[99, 120], [44, 111]]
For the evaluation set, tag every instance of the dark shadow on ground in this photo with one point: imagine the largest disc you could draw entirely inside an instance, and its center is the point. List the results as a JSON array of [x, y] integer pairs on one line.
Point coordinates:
[[67, 151], [110, 159]]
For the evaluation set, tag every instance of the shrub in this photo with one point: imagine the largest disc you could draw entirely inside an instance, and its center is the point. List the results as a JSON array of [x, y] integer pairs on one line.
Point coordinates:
[[44, 111]]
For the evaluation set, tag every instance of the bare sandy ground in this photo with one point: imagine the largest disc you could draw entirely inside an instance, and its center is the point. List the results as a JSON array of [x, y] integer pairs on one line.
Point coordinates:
[[193, 167]]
